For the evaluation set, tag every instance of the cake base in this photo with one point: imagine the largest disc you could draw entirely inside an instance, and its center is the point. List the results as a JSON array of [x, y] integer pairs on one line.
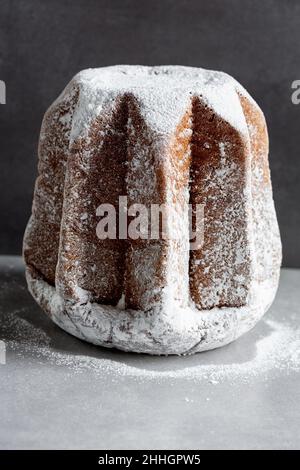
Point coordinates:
[[177, 331]]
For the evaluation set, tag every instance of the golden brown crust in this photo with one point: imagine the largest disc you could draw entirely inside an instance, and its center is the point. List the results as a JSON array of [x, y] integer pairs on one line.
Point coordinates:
[[267, 247], [220, 171], [43, 232], [258, 135], [96, 173]]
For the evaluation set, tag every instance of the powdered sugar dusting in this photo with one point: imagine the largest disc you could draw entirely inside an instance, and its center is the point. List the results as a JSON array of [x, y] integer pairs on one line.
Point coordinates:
[[175, 330], [276, 351], [164, 93], [161, 321]]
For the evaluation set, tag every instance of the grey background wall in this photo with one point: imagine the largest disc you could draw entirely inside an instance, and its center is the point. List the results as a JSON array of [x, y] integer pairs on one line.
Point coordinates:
[[44, 43]]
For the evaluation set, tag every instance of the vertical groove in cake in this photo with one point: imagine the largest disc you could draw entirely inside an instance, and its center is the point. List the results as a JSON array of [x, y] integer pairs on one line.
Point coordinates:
[[91, 268], [158, 170], [41, 240], [220, 271], [266, 235]]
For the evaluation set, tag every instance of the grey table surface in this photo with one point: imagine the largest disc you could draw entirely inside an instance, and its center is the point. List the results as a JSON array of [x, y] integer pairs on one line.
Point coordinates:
[[59, 392]]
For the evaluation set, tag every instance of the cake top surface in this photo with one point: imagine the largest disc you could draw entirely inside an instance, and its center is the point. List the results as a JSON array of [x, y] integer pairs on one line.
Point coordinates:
[[139, 76], [163, 92]]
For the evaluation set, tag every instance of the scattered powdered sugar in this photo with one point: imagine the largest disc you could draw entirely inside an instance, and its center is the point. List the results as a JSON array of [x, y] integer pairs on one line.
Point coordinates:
[[277, 350]]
